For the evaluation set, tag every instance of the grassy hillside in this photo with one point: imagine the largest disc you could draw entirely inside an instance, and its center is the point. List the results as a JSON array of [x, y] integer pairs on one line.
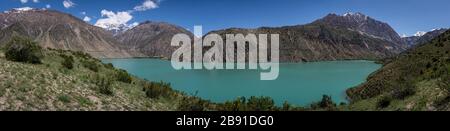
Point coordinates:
[[418, 79], [68, 80]]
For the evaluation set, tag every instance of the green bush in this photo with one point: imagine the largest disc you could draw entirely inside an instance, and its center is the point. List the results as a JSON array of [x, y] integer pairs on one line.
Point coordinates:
[[445, 83], [82, 55], [260, 104], [239, 104], [123, 76], [404, 90], [157, 89], [64, 98], [286, 106], [23, 50], [109, 66], [326, 103], [67, 62], [384, 102], [193, 103], [91, 65], [104, 85]]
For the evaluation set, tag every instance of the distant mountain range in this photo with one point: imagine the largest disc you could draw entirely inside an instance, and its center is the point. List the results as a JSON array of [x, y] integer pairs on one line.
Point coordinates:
[[334, 37], [424, 37]]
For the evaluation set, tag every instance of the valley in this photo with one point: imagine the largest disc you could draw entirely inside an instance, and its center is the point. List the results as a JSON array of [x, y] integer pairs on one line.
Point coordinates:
[[69, 75]]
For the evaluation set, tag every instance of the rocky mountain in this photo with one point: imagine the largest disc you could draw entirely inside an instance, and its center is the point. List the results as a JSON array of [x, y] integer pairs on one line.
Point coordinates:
[[150, 39], [332, 38], [53, 29], [364, 25], [424, 38], [418, 79]]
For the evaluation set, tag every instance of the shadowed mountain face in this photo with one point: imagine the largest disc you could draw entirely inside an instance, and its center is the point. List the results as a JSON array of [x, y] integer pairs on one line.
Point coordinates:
[[151, 39], [417, 40], [58, 30], [325, 40]]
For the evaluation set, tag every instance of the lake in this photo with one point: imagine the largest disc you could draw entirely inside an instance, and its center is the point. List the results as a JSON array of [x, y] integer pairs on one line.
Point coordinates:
[[298, 83]]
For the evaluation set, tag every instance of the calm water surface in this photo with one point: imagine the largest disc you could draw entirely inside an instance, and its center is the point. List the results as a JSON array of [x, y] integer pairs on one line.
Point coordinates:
[[298, 83]]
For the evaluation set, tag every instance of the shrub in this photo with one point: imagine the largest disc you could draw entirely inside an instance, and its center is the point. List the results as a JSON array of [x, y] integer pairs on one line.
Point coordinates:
[[239, 104], [23, 50], [260, 104], [326, 103], [82, 55], [193, 103], [123, 76], [445, 83], [104, 85], [286, 106], [64, 98], [405, 90], [109, 66], [67, 62], [157, 89], [384, 102], [91, 65]]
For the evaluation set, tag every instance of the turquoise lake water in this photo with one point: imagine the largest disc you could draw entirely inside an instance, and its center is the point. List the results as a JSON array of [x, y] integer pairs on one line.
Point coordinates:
[[298, 83]]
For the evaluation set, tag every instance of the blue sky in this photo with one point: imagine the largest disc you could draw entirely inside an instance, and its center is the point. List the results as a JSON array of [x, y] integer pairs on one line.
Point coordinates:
[[405, 16]]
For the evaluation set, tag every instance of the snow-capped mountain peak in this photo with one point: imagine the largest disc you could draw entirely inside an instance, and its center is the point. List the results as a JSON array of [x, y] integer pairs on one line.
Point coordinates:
[[420, 33], [353, 14]]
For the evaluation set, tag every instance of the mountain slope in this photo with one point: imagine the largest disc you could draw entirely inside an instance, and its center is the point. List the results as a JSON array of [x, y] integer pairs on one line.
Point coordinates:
[[320, 41], [58, 30], [150, 39], [418, 79]]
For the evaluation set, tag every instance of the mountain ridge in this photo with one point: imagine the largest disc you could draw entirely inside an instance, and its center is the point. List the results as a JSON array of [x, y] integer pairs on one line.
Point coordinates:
[[54, 29]]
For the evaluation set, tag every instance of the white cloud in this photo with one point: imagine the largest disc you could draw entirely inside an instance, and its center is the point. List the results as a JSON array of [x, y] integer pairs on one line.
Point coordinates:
[[48, 6], [83, 13], [68, 3], [111, 20], [116, 21], [36, 1], [86, 19], [146, 5]]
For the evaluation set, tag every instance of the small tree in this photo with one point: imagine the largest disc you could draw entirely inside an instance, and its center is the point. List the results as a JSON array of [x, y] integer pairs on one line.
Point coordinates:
[[23, 50], [326, 103]]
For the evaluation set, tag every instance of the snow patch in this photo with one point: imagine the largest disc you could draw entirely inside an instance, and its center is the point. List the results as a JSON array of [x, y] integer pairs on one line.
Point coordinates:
[[23, 9], [420, 33]]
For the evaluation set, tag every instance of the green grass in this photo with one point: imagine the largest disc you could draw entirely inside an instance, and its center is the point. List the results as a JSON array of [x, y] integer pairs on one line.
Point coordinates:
[[64, 98]]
